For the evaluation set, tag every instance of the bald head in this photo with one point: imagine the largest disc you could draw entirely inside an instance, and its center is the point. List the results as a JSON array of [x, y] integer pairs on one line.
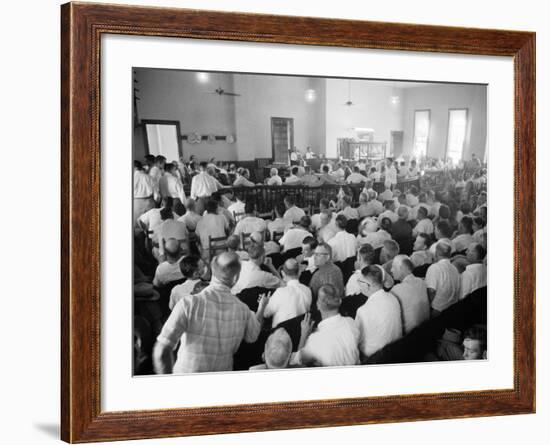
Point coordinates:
[[172, 248], [403, 212], [278, 348], [401, 267], [226, 268], [190, 204], [291, 269], [443, 250]]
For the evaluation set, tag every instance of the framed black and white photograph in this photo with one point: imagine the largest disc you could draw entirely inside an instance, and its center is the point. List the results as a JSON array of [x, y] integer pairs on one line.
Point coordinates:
[[285, 222]]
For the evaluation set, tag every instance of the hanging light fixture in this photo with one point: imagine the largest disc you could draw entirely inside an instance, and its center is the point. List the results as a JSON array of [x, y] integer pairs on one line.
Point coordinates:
[[203, 77], [394, 98], [310, 95], [349, 102]]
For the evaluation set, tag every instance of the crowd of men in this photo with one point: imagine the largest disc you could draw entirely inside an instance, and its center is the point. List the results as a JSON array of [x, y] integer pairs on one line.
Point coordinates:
[[402, 257]]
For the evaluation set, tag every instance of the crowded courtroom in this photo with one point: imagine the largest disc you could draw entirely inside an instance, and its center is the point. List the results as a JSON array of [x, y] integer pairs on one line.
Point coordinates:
[[288, 222]]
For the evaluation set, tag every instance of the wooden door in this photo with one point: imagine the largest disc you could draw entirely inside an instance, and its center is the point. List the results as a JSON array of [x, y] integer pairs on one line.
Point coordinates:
[[282, 138], [396, 143]]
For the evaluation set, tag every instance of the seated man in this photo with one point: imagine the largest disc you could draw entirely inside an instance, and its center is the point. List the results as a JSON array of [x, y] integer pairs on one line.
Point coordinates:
[[347, 210], [334, 342], [475, 343], [169, 270], [421, 254], [291, 300], [342, 243], [237, 208], [293, 178], [234, 245], [365, 257], [474, 276], [251, 275], [411, 292], [327, 229], [443, 280], [389, 213], [402, 231], [192, 268], [307, 258], [327, 272], [356, 177], [209, 326], [277, 351], [379, 319], [294, 237], [424, 224], [190, 218], [324, 204], [390, 249], [279, 224], [212, 224], [465, 234], [274, 178], [292, 213], [250, 223]]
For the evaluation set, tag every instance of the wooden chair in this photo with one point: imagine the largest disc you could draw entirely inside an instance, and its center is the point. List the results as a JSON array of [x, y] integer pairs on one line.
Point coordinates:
[[216, 244], [244, 236]]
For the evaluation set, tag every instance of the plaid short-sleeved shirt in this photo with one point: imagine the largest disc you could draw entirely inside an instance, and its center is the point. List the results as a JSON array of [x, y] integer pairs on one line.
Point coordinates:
[[210, 325]]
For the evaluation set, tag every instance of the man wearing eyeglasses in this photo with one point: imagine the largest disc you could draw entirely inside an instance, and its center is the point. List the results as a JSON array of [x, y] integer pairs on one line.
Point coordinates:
[[379, 319], [327, 272]]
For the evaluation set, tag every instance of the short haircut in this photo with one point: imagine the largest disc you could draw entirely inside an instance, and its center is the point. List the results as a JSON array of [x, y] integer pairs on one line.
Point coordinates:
[[445, 229], [465, 207], [255, 251], [422, 212], [310, 241], [356, 169], [363, 197], [280, 208], [211, 206], [249, 206], [391, 246], [444, 211], [325, 169], [305, 222], [294, 170], [169, 167], [403, 212], [405, 262], [233, 242], [326, 247], [203, 164], [347, 199], [289, 199], [443, 249], [386, 224], [366, 253], [291, 267], [468, 223], [374, 273], [324, 202], [478, 333], [341, 222], [480, 251], [189, 265], [479, 221], [427, 238], [414, 189], [138, 165], [160, 159], [190, 204], [278, 349], [329, 297], [388, 203]]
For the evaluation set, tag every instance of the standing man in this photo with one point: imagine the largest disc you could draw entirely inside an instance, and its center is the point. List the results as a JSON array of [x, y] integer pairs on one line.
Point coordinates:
[[171, 185], [203, 186], [209, 326], [144, 192], [391, 174]]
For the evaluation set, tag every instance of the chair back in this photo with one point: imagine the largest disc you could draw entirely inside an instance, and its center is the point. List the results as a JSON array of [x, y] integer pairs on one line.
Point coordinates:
[[216, 244]]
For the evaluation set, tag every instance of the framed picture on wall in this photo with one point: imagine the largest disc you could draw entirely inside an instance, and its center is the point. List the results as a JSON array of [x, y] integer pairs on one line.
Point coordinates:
[[447, 112]]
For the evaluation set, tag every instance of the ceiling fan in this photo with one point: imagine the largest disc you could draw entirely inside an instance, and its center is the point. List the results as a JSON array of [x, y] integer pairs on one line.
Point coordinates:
[[221, 92]]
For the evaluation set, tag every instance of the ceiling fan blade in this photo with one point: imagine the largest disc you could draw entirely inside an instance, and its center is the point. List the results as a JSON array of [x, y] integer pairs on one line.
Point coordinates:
[[230, 94]]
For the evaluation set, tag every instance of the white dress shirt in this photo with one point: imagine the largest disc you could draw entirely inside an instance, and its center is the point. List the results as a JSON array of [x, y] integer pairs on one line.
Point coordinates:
[[293, 238], [293, 179], [326, 233], [424, 226], [379, 322], [421, 257], [275, 180], [356, 178], [391, 176], [333, 343], [444, 278], [349, 212], [143, 185], [343, 246], [170, 186], [155, 173], [461, 242], [237, 208], [252, 276], [213, 225], [288, 302], [180, 291], [167, 272], [474, 277], [203, 185], [294, 214], [352, 286], [278, 225], [250, 224], [375, 239], [152, 221], [412, 294], [316, 221], [388, 214], [190, 219]]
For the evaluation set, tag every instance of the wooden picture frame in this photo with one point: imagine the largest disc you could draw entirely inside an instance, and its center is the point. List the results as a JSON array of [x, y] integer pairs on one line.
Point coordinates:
[[82, 26]]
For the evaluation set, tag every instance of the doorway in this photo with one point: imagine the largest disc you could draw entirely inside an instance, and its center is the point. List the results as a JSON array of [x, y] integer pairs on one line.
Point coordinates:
[[163, 138], [282, 139], [396, 143]]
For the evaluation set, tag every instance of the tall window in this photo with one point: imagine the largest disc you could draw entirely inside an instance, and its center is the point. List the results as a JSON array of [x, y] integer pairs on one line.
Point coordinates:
[[421, 132], [456, 136]]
